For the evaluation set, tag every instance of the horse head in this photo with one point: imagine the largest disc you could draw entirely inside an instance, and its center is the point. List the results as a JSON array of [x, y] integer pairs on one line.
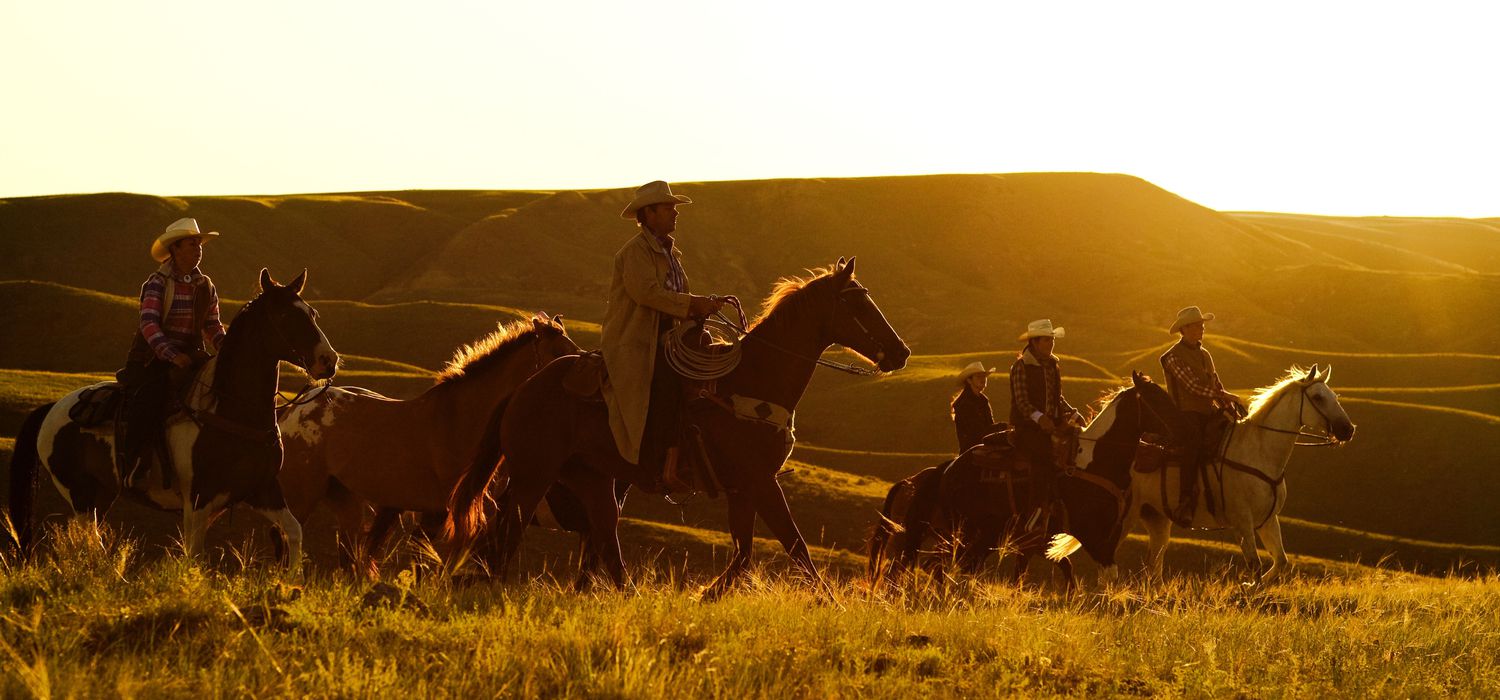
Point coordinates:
[[1326, 405], [551, 337], [292, 333], [859, 325]]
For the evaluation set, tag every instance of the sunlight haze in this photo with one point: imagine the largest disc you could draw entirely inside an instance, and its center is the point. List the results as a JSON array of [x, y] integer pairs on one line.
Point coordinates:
[[1335, 108]]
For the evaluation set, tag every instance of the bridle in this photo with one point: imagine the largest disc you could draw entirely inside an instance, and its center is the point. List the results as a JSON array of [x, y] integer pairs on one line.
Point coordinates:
[[1325, 438]]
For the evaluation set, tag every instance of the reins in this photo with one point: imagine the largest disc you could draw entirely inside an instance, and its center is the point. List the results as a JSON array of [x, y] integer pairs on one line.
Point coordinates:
[[702, 365]]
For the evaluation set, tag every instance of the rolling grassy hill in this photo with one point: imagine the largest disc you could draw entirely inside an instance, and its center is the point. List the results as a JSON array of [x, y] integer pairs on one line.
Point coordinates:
[[958, 263]]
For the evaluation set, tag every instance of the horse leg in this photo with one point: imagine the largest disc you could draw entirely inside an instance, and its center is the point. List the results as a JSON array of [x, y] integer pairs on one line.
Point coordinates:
[[1159, 528], [1270, 535], [1245, 532], [770, 502], [516, 509], [355, 554], [283, 519], [742, 530], [977, 549], [597, 493]]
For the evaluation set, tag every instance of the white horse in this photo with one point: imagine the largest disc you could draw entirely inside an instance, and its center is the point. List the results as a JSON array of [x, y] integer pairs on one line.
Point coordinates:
[[1246, 479]]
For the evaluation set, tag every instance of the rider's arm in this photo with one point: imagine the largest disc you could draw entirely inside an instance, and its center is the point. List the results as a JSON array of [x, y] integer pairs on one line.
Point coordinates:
[[213, 327], [638, 271]]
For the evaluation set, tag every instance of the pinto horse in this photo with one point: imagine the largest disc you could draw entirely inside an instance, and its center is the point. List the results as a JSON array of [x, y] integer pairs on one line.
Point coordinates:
[[224, 447], [551, 435], [1247, 477], [351, 448], [951, 502]]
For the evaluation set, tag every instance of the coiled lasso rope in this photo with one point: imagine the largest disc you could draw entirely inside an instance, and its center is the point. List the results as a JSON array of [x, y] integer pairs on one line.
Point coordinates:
[[721, 355]]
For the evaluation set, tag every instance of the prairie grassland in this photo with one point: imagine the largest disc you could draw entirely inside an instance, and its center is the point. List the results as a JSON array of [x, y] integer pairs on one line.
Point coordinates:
[[94, 619]]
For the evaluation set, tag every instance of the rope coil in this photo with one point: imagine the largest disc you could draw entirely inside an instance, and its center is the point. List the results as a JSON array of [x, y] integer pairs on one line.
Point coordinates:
[[708, 361]]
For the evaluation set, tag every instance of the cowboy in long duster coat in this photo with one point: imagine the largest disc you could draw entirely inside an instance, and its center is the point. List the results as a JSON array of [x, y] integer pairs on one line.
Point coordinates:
[[638, 297]]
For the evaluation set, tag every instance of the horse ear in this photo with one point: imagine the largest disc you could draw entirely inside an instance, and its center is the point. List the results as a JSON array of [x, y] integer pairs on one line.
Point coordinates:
[[557, 323], [296, 284], [265, 281], [849, 269], [1312, 374], [839, 266], [1136, 377], [1327, 372]]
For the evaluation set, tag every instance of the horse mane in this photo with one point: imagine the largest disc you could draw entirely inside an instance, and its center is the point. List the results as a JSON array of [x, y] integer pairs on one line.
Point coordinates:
[[784, 292], [1105, 399], [488, 350], [232, 341], [1262, 398]]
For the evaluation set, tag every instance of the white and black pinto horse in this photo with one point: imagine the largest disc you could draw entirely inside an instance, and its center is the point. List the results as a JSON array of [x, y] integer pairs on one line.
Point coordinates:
[[224, 445]]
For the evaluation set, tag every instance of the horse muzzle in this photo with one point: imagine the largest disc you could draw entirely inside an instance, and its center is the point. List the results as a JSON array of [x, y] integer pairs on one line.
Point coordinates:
[[1343, 432], [324, 367], [890, 362]]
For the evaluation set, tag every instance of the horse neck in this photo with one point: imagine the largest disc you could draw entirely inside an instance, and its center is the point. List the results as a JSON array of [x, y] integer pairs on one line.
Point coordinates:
[[477, 393], [1269, 450], [245, 380], [1109, 459], [777, 362]]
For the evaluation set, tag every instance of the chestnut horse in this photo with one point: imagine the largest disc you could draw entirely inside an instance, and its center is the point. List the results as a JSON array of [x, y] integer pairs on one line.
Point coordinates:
[[552, 436], [351, 448], [223, 445]]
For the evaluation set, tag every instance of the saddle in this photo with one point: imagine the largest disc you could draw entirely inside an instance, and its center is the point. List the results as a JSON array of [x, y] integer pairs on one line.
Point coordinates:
[[587, 377], [98, 405]]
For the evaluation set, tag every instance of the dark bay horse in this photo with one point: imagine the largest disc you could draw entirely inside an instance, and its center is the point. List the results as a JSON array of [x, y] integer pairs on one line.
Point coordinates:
[[351, 448], [951, 502], [552, 436], [224, 446]]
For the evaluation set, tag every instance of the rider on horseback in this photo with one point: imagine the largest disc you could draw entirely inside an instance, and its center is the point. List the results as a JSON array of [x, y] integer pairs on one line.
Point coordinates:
[[972, 416], [1194, 385], [648, 296], [1038, 409], [179, 314]]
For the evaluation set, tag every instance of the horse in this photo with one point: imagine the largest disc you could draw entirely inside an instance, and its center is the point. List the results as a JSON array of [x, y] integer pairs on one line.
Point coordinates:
[[351, 448], [1247, 477], [223, 446], [551, 435], [953, 502]]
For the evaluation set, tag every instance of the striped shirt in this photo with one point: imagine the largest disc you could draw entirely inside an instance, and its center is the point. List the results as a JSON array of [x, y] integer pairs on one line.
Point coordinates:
[[168, 327]]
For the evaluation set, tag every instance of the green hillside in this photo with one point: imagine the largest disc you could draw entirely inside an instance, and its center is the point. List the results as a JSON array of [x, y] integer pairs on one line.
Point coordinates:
[[958, 263]]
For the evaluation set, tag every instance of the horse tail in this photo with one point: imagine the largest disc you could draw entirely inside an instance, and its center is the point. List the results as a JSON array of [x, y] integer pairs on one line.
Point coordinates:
[[885, 528], [25, 465], [466, 504]]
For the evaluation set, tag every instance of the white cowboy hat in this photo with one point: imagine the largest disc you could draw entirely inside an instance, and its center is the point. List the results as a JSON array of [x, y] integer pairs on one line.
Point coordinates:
[[1042, 329], [972, 369], [655, 192], [1191, 314], [180, 229]]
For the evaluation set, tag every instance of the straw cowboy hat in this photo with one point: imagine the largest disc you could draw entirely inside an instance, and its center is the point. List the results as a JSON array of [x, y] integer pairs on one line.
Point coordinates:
[[180, 229], [656, 192], [1191, 314], [1041, 329], [972, 369]]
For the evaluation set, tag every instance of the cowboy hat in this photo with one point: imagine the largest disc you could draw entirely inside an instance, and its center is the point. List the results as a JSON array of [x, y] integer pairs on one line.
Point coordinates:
[[972, 369], [655, 192], [1042, 329], [182, 228], [1191, 314]]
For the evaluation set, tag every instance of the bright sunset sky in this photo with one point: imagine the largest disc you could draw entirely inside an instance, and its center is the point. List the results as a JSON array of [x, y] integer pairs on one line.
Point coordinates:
[[1320, 107]]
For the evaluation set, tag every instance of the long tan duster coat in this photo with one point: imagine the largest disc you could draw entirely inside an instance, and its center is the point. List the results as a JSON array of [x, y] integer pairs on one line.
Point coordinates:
[[638, 295]]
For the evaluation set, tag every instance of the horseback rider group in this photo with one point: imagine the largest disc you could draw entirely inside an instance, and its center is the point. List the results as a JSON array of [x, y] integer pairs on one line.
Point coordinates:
[[1039, 414], [648, 298]]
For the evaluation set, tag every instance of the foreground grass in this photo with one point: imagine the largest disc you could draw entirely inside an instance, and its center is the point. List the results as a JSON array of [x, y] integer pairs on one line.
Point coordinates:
[[92, 620]]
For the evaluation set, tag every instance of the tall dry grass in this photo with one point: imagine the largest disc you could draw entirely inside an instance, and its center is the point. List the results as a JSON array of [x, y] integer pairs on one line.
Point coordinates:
[[90, 618]]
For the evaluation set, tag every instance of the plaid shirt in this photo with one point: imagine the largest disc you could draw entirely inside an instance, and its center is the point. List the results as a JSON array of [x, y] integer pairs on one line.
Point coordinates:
[[168, 332], [1191, 380]]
